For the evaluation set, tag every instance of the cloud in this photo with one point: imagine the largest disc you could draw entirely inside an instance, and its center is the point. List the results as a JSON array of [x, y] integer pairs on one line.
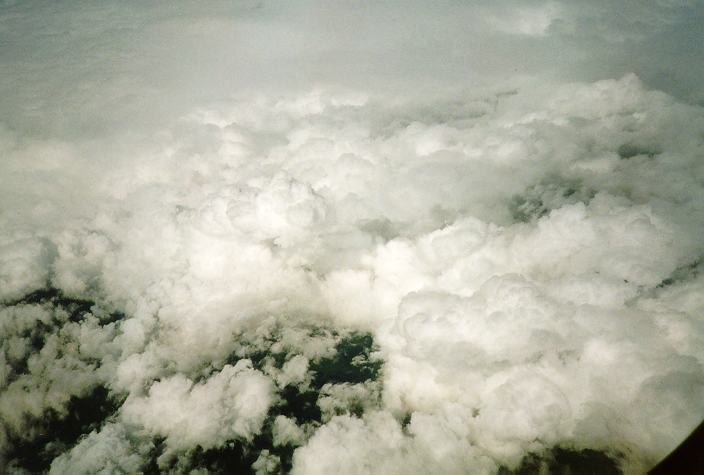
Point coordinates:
[[238, 398], [109, 450], [347, 238]]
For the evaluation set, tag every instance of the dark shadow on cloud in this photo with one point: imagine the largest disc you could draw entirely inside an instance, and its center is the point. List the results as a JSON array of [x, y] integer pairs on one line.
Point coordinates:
[[56, 433], [566, 461], [350, 364]]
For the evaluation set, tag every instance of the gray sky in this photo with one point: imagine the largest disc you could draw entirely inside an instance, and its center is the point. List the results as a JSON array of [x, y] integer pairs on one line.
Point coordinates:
[[73, 66]]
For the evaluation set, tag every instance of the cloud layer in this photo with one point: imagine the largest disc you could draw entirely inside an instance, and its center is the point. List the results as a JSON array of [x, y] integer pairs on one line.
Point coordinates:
[[220, 251]]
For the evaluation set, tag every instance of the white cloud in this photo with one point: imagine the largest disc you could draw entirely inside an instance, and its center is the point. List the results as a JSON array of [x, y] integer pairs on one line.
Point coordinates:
[[112, 450], [233, 403], [522, 241]]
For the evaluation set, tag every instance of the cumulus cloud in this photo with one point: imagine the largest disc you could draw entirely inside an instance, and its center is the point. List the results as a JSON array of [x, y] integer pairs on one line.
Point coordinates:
[[112, 450], [348, 238], [232, 403]]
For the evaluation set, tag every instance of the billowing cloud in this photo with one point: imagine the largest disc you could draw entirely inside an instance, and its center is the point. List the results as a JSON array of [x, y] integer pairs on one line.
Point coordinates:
[[348, 238]]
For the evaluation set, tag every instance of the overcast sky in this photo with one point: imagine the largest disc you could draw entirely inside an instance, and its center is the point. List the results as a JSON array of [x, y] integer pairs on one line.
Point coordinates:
[[82, 64]]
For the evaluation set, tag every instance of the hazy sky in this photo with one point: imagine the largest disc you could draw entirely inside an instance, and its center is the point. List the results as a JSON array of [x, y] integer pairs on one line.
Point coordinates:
[[84, 64]]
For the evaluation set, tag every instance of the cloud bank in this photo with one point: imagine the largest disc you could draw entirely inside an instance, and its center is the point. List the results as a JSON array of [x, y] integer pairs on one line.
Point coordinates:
[[319, 239]]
